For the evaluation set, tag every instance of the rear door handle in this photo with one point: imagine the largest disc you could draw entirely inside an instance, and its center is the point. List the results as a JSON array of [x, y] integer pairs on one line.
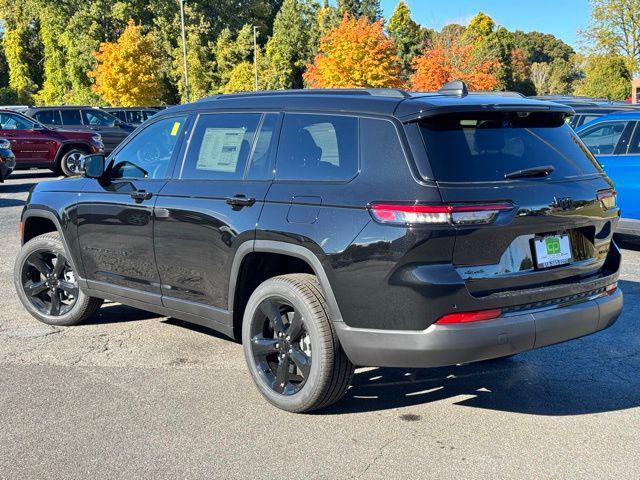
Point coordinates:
[[240, 200], [140, 195]]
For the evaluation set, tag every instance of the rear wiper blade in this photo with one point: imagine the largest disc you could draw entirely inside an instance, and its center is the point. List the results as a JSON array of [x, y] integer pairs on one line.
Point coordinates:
[[543, 171]]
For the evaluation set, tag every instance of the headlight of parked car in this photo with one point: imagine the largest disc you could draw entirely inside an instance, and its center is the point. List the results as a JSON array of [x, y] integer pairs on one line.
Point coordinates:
[[4, 144]]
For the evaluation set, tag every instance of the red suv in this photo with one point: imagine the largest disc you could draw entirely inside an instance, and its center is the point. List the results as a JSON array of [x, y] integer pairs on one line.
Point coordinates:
[[36, 146]]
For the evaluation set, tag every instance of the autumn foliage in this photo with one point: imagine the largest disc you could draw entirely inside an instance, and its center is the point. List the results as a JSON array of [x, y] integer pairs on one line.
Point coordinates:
[[356, 53], [442, 63], [128, 71]]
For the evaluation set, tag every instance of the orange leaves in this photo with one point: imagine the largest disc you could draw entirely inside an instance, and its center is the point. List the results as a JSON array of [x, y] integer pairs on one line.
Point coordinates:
[[128, 72], [357, 53], [457, 61]]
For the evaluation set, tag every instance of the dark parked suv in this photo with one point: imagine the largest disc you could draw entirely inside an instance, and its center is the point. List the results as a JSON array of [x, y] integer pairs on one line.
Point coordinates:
[[85, 119], [328, 229], [37, 146]]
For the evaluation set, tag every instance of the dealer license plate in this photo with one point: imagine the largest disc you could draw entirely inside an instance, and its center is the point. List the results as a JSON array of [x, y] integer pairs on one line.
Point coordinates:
[[552, 250]]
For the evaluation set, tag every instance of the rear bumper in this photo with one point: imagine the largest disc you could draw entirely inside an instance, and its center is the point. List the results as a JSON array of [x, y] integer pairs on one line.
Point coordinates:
[[441, 345]]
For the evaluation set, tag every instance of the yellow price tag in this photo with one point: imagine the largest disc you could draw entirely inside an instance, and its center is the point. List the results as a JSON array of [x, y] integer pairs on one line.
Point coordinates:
[[175, 129]]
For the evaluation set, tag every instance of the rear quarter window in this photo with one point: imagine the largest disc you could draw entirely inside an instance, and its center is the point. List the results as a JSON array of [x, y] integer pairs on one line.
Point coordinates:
[[484, 147]]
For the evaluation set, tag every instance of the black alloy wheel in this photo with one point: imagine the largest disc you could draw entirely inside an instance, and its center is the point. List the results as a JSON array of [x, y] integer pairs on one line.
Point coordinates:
[[281, 346], [49, 283]]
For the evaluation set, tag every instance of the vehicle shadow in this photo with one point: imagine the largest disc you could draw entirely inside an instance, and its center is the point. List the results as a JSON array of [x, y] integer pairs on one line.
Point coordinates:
[[10, 202], [598, 373], [117, 313]]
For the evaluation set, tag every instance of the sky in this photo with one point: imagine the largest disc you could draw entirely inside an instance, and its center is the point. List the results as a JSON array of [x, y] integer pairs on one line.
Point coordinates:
[[562, 18]]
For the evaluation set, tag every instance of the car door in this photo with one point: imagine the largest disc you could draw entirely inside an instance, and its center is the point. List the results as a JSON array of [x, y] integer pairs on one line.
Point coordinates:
[[607, 139], [30, 145], [211, 207], [624, 169], [106, 125], [115, 212]]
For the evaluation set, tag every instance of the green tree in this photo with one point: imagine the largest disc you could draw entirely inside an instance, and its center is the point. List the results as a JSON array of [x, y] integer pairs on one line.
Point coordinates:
[[540, 73], [605, 77], [290, 48], [20, 81], [615, 29], [371, 9], [406, 35], [562, 77], [230, 51], [56, 83], [4, 68], [541, 47], [349, 7]]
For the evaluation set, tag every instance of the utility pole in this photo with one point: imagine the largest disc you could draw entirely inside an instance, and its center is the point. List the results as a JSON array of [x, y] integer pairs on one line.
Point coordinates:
[[255, 57], [184, 51]]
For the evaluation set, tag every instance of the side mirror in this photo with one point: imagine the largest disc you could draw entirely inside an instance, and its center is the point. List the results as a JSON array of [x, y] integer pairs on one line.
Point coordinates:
[[93, 166]]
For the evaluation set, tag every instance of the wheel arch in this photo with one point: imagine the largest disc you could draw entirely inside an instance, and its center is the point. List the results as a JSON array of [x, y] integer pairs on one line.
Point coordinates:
[[70, 145], [37, 222], [284, 249]]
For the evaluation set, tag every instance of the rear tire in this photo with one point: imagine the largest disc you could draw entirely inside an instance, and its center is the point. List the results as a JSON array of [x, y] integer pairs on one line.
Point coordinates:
[[47, 284], [70, 163], [291, 347]]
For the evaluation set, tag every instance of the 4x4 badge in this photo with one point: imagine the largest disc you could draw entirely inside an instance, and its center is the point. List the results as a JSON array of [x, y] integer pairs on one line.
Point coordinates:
[[564, 203]]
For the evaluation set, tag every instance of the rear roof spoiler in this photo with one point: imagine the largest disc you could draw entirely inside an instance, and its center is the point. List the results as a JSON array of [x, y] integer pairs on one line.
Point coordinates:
[[430, 110]]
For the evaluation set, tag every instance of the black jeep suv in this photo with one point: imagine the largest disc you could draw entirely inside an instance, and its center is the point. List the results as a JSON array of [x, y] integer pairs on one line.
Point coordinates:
[[328, 229]]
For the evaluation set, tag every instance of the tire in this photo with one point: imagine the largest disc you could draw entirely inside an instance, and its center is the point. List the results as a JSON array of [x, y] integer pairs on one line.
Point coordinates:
[[322, 375], [70, 162], [43, 273]]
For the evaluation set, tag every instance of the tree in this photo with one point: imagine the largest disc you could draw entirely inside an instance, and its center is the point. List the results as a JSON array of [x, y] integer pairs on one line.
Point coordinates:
[[615, 29], [540, 73], [361, 8], [444, 62], [562, 77], [290, 49], [56, 83], [229, 52], [605, 77], [406, 35], [128, 71], [479, 29], [371, 9], [541, 47], [355, 54]]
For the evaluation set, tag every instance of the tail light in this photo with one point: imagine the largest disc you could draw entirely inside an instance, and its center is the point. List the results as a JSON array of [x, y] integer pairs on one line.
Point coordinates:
[[469, 317], [607, 198], [414, 214]]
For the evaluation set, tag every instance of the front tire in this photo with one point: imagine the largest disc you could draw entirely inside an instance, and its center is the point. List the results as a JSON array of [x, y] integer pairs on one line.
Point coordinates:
[[291, 347], [47, 284], [71, 163]]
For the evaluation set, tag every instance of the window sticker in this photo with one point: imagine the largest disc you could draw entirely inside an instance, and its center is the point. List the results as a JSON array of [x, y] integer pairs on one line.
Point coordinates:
[[220, 149], [175, 129]]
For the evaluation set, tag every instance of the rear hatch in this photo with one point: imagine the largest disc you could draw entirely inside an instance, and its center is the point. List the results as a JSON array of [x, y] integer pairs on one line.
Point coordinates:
[[560, 227]]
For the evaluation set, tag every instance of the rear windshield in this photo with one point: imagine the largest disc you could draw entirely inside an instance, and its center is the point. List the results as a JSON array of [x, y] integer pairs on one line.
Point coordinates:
[[484, 147]]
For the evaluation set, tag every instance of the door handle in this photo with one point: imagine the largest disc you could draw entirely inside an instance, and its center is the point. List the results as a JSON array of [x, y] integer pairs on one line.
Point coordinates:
[[239, 201], [140, 195]]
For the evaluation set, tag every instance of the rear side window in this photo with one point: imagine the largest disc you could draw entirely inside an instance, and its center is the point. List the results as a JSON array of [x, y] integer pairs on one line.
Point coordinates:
[[318, 147], [71, 117], [602, 139], [484, 147], [48, 117], [220, 146]]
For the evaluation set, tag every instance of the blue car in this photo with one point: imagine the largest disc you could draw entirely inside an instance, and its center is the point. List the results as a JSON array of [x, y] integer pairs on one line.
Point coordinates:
[[615, 141]]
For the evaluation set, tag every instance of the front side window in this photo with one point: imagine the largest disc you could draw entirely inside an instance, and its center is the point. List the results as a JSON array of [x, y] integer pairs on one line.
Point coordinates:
[[71, 117], [48, 117], [9, 121], [98, 118], [602, 139], [148, 154], [318, 148], [220, 146]]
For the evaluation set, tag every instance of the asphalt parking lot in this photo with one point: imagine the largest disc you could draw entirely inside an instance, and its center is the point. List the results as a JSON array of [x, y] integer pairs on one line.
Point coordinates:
[[131, 395]]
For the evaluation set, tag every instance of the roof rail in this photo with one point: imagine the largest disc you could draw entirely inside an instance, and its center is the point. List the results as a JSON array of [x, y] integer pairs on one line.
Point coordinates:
[[455, 89], [374, 92]]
